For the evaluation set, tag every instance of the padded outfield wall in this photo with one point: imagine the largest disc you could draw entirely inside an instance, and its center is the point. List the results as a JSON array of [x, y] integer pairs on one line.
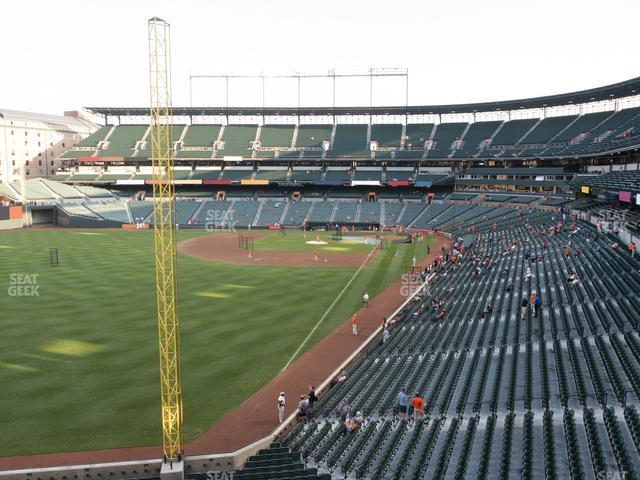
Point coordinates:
[[10, 217]]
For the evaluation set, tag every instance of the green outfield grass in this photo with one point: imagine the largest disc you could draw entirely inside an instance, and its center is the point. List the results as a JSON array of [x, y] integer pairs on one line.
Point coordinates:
[[78, 362], [295, 241]]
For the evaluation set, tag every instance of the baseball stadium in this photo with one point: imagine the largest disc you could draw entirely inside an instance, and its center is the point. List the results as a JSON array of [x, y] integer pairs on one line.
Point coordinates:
[[442, 291]]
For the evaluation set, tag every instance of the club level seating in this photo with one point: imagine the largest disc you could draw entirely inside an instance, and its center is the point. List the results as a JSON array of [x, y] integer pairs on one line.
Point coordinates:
[[272, 175], [624, 180], [106, 177], [205, 174], [508, 395], [462, 196], [366, 174], [338, 176], [399, 175], [236, 175], [303, 175]]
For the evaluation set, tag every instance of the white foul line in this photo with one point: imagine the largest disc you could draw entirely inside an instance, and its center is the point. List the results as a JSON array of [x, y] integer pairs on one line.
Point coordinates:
[[328, 310]]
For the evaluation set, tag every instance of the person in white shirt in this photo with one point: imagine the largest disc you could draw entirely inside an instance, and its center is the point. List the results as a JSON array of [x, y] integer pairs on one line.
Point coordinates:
[[365, 299], [385, 335], [413, 262], [281, 406]]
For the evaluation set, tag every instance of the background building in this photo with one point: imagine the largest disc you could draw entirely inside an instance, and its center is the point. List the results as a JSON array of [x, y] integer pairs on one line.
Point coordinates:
[[31, 142]]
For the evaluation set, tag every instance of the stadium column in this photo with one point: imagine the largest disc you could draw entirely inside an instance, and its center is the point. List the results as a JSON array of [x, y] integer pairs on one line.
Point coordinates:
[[161, 120]]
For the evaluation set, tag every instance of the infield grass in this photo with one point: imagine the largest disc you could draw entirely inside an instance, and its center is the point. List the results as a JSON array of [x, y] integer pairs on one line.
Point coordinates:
[[78, 362]]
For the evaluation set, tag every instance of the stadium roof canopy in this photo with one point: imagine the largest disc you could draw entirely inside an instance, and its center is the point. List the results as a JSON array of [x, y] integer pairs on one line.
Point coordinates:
[[610, 92]]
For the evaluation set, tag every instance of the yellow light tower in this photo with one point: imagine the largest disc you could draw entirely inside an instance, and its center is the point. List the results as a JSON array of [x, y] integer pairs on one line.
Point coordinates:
[[164, 231]]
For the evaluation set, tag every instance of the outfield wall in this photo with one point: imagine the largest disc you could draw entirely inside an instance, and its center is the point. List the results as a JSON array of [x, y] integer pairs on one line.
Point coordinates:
[[10, 217]]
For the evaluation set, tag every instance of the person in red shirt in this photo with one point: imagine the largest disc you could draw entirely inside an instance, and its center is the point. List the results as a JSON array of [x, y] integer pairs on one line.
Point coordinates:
[[418, 406], [354, 324]]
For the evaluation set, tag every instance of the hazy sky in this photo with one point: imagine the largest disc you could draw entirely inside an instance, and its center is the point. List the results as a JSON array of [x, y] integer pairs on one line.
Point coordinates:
[[65, 54]]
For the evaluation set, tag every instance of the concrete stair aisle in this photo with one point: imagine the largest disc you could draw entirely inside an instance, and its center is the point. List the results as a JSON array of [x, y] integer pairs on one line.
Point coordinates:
[[258, 212], [422, 214], [306, 217], [333, 212], [129, 213], [283, 217], [197, 212], [356, 218], [402, 210], [529, 131]]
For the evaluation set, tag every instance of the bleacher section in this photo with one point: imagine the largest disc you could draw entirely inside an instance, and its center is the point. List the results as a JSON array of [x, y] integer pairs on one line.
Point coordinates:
[[115, 211], [508, 395]]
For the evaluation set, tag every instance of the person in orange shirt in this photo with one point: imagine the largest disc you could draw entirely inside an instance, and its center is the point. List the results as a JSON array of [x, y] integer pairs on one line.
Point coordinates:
[[418, 406], [354, 324]]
